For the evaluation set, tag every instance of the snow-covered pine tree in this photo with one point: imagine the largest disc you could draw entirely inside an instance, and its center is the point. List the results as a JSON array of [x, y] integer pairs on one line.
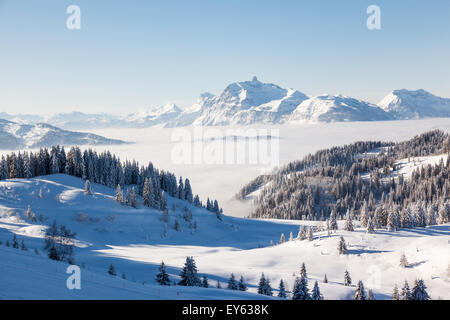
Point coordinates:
[[218, 285], [162, 278], [301, 291], [282, 239], [333, 226], [310, 234], [342, 247], [443, 213], [15, 243], [419, 291], [291, 236], [112, 270], [325, 279], [370, 295], [87, 188], [316, 295], [30, 215], [119, 195], [281, 290], [348, 221], [391, 221], [188, 191], [23, 246], [403, 261], [163, 204], [370, 228], [188, 274], [431, 216], [205, 283], [364, 215], [303, 272], [347, 279], [177, 226], [241, 285], [360, 293], [406, 292], [131, 197], [232, 284], [395, 294]]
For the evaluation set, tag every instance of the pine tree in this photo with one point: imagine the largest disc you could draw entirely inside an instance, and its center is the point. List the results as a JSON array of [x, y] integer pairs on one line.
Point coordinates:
[[301, 291], [241, 285], [325, 279], [87, 188], [15, 244], [316, 295], [205, 282], [218, 286], [282, 239], [112, 270], [364, 215], [264, 286], [282, 290], [23, 246], [162, 278], [303, 272], [419, 291], [395, 295], [332, 222], [342, 247], [370, 295], [232, 285], [291, 237], [403, 261], [370, 228], [360, 293], [188, 274], [177, 226], [119, 194], [406, 292], [310, 234], [349, 222], [391, 223], [347, 279]]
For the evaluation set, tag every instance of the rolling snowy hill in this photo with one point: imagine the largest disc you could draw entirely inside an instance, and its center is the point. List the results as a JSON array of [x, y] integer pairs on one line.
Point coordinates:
[[131, 239], [14, 136]]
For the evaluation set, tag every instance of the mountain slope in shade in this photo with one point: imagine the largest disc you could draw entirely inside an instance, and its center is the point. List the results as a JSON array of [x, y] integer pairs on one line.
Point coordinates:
[[19, 136], [406, 104], [337, 108]]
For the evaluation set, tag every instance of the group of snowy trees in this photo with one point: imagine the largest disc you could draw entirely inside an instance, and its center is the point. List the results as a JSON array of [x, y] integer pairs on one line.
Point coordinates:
[[15, 243], [330, 183], [59, 242], [108, 170]]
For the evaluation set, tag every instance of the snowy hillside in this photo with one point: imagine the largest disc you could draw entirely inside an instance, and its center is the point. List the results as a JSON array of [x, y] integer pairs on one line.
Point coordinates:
[[153, 117], [406, 104], [327, 108], [133, 241], [15, 136]]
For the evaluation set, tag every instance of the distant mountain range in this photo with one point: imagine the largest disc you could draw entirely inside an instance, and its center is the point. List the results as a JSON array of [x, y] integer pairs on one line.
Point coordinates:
[[15, 136], [255, 102]]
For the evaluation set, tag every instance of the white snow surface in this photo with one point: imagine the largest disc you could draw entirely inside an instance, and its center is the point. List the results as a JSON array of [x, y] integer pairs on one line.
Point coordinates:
[[132, 242]]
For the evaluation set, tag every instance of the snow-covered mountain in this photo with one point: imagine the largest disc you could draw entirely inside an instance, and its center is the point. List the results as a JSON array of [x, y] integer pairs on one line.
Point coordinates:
[[79, 120], [406, 104], [153, 117], [22, 118], [336, 108], [18, 136]]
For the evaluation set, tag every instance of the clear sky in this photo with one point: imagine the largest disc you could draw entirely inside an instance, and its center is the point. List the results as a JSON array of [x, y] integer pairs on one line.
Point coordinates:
[[131, 54]]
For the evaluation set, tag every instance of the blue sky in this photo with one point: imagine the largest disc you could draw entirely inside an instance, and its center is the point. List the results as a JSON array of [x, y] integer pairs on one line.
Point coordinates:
[[132, 55]]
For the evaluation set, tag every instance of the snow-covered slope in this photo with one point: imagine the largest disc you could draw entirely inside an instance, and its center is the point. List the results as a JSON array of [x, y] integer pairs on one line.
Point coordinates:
[[79, 120], [153, 117], [406, 104], [336, 108], [249, 102], [132, 240], [15, 136]]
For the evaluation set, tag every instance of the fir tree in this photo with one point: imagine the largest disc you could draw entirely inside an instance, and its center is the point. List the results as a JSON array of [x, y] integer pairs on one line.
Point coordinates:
[[282, 239], [406, 292], [119, 194], [370, 295], [349, 222], [22, 246], [15, 243], [347, 279], [342, 247], [112, 270], [241, 285], [419, 291], [303, 272], [87, 188], [395, 295], [205, 282], [360, 293], [282, 290], [232, 284], [325, 279], [188, 274], [218, 285], [301, 291], [403, 261], [370, 228], [162, 278], [316, 295]]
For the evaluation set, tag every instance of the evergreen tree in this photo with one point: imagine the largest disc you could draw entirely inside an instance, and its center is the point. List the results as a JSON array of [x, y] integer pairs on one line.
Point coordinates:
[[360, 293], [303, 272], [264, 286], [391, 222], [241, 285], [282, 290], [23, 246], [282, 239], [131, 197], [232, 284], [349, 222], [406, 292], [162, 278], [15, 243], [112, 270], [342, 247], [347, 279], [310, 234], [370, 295], [333, 226], [403, 261], [370, 228], [218, 286], [188, 274], [205, 282], [87, 188], [419, 291], [316, 295], [119, 194], [395, 295], [325, 279], [301, 291]]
